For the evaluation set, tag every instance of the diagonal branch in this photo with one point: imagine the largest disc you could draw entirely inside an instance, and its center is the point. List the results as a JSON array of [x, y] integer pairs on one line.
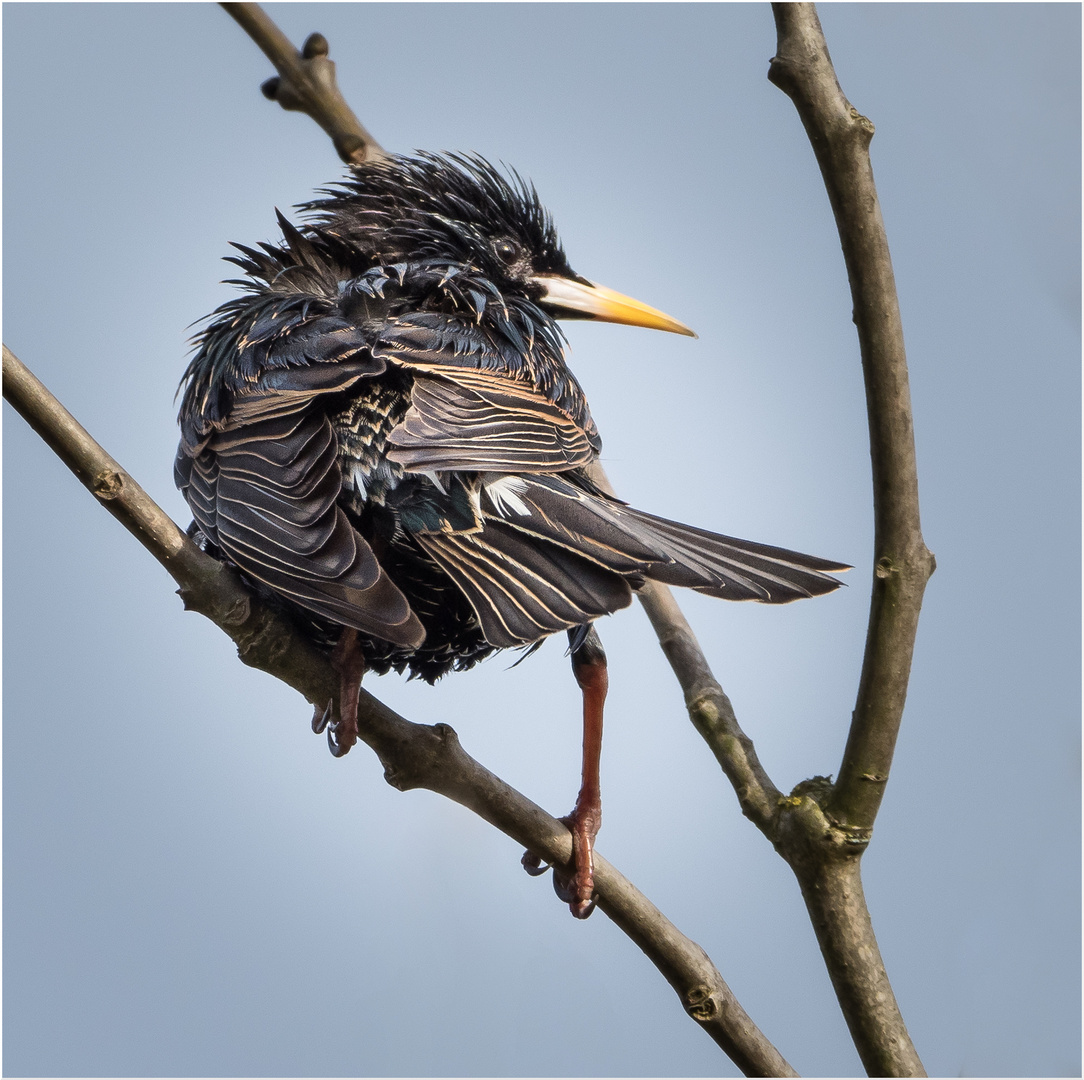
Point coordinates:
[[306, 83], [413, 755]]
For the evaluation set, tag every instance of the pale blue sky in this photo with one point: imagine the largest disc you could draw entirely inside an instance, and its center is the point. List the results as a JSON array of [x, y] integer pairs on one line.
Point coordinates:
[[192, 885]]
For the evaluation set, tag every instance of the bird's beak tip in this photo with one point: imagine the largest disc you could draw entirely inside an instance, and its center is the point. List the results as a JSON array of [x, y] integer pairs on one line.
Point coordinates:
[[598, 302]]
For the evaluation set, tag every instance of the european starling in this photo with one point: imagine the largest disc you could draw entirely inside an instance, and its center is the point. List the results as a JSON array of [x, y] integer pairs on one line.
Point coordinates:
[[382, 435]]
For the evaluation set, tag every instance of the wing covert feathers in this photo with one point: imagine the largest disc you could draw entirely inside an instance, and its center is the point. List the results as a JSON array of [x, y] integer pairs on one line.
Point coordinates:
[[475, 421], [522, 591]]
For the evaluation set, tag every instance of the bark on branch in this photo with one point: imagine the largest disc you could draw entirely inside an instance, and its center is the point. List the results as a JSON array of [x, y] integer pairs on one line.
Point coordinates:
[[841, 136], [413, 755]]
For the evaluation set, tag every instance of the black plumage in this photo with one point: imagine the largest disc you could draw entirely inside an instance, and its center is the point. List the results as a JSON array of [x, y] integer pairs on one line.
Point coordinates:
[[382, 430]]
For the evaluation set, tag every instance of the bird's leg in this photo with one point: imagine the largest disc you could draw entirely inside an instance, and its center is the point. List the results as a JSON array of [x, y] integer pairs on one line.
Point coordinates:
[[349, 661], [589, 667]]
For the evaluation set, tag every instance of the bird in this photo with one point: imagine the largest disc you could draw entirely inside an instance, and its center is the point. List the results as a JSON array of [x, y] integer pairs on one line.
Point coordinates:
[[382, 434]]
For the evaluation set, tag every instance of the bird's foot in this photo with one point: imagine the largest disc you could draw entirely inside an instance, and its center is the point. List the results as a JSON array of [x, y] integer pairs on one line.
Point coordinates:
[[578, 889], [342, 730], [575, 888]]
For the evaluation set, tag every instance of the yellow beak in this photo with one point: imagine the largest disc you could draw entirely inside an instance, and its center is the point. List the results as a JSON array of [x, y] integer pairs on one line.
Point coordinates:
[[598, 302]]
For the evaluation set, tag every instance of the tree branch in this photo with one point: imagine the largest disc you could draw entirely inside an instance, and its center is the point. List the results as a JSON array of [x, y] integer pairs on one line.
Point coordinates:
[[306, 83], [824, 828], [709, 708], [413, 755], [841, 136]]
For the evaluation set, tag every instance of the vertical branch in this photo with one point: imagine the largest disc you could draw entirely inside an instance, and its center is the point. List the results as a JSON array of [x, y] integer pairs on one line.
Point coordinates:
[[841, 136], [827, 827]]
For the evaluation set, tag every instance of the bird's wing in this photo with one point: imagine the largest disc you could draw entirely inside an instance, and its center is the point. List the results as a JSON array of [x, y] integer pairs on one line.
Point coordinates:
[[551, 553], [484, 402], [267, 493], [522, 590], [263, 484], [475, 420]]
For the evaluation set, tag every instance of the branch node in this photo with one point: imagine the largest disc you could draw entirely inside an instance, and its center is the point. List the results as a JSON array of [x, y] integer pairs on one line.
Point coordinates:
[[704, 710], [864, 125], [700, 1003], [352, 148], [285, 93], [315, 45], [237, 613], [447, 735], [817, 829], [781, 74], [397, 776], [107, 484]]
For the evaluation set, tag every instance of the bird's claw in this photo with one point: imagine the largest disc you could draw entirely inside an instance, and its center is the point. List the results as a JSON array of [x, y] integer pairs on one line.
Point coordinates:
[[320, 720], [339, 748], [569, 891], [533, 864], [578, 888]]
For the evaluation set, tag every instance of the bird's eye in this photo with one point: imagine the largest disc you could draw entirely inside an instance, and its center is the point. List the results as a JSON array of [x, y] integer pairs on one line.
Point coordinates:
[[506, 251]]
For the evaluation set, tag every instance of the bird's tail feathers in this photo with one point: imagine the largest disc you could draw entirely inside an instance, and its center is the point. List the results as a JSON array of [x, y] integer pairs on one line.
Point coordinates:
[[635, 543]]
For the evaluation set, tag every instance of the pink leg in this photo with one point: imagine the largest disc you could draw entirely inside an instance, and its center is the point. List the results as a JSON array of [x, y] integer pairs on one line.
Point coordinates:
[[576, 889], [589, 667]]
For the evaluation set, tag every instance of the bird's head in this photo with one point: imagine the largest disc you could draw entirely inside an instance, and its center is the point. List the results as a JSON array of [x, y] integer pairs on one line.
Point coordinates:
[[460, 209]]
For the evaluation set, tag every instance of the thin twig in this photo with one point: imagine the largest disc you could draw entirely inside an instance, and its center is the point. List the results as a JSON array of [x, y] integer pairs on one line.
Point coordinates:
[[306, 83], [709, 708], [413, 755]]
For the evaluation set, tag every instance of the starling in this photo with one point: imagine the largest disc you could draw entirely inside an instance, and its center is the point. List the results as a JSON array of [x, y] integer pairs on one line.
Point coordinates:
[[382, 435]]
